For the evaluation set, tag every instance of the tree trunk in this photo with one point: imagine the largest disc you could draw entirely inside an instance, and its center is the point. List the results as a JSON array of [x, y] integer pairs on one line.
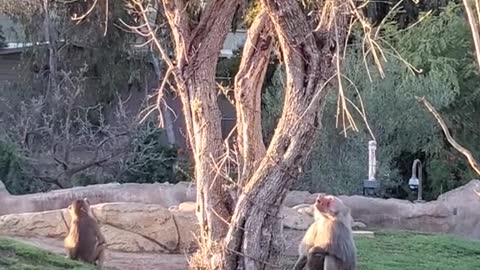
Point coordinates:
[[309, 59], [197, 52], [254, 230], [51, 38], [474, 22], [248, 95]]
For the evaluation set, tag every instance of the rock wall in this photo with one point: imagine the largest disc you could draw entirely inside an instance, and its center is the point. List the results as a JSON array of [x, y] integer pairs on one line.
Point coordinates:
[[163, 194], [128, 227], [453, 212]]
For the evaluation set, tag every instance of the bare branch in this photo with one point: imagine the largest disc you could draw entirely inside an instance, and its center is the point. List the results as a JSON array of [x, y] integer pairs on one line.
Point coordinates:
[[471, 160]]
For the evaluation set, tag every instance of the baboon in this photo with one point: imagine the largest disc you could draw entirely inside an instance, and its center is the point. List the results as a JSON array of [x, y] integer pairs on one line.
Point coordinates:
[[84, 241], [330, 235]]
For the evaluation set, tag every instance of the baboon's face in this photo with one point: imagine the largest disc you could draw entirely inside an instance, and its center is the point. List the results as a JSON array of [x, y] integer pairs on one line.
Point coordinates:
[[78, 208], [329, 205]]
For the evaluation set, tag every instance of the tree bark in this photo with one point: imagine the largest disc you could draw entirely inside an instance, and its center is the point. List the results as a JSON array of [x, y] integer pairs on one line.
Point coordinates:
[[474, 21], [253, 241], [51, 38], [197, 52], [248, 90]]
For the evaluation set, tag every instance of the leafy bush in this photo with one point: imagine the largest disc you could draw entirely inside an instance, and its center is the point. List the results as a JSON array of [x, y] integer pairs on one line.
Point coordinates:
[[272, 103], [150, 160], [13, 173]]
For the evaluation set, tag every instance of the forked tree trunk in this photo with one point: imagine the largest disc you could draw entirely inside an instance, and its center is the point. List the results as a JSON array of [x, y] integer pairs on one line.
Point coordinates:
[[253, 241]]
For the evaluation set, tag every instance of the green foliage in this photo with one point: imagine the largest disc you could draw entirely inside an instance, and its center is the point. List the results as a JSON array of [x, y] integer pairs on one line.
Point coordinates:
[[403, 128], [228, 67], [150, 160], [113, 64], [19, 256], [272, 103], [12, 170]]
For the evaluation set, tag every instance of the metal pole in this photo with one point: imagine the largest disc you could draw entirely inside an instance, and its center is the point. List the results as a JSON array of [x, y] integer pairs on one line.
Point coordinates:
[[371, 184], [372, 161]]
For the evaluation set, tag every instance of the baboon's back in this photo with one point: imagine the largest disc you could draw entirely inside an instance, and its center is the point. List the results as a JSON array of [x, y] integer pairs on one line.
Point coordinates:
[[87, 239]]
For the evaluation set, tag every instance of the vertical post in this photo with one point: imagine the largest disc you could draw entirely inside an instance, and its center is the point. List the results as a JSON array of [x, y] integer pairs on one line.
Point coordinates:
[[371, 184], [372, 161]]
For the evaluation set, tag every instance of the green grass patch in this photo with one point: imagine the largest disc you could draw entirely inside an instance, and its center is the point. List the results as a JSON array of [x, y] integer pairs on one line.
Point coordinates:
[[387, 251], [19, 256], [414, 251]]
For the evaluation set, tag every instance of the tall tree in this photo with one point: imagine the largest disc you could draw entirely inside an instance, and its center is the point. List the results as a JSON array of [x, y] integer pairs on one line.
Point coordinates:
[[244, 232], [252, 229]]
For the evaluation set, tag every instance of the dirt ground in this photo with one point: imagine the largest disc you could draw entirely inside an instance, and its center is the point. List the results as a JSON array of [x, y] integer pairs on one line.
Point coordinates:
[[115, 260]]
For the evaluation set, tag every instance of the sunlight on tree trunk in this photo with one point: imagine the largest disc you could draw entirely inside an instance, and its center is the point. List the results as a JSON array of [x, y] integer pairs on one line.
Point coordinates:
[[248, 94], [197, 53], [474, 21], [50, 37]]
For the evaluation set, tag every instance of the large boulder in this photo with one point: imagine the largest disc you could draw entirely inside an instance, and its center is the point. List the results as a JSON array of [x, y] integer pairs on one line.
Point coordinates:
[[453, 212], [128, 227], [163, 194], [292, 219]]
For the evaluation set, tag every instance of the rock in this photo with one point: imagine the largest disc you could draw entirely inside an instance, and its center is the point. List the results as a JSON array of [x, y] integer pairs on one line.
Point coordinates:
[[187, 206], [399, 214], [163, 194], [463, 204], [127, 227], [296, 197], [454, 212], [305, 209], [358, 226], [150, 227], [46, 224], [188, 229], [292, 219], [120, 240]]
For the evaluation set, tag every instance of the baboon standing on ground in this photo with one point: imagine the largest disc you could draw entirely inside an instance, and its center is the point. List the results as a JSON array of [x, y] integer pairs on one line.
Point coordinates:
[[84, 241], [328, 243]]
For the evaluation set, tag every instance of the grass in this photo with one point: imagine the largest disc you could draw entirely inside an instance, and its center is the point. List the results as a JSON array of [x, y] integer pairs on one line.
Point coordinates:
[[412, 251], [19, 256], [387, 251]]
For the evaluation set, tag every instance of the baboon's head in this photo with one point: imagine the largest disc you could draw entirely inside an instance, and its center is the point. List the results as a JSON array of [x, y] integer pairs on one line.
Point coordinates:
[[78, 208], [330, 206]]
